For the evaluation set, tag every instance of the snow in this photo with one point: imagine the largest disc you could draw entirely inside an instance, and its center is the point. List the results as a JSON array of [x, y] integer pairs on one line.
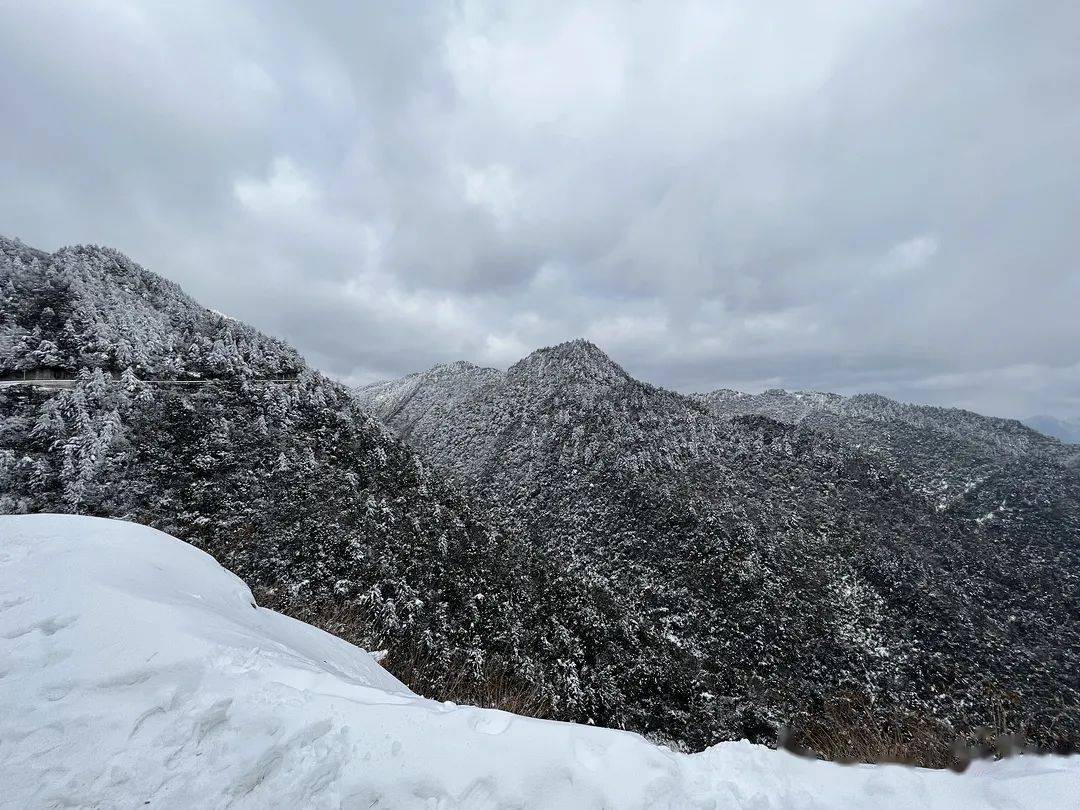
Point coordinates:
[[135, 671]]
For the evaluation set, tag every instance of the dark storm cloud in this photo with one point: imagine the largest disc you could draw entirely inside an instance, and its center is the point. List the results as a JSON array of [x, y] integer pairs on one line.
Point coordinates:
[[855, 196]]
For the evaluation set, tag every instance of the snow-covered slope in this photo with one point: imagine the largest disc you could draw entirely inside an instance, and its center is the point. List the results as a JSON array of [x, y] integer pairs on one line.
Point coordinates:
[[135, 671]]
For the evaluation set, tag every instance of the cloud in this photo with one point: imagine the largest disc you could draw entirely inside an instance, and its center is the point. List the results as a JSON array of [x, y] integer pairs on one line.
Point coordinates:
[[909, 255], [493, 189], [850, 196], [285, 190]]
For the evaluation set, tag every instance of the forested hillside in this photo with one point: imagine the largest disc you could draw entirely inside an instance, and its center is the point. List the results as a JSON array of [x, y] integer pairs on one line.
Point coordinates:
[[779, 565], [89, 307], [1020, 487]]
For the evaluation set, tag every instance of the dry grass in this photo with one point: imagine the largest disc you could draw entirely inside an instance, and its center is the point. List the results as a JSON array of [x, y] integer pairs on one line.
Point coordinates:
[[489, 687], [850, 728]]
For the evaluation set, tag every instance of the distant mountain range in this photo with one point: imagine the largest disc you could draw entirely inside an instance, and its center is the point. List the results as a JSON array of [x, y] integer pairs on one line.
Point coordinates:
[[1015, 482], [697, 568], [1067, 430]]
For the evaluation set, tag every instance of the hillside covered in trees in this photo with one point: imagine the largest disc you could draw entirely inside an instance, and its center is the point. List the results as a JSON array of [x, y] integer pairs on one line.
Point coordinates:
[[815, 565], [1020, 487], [88, 307]]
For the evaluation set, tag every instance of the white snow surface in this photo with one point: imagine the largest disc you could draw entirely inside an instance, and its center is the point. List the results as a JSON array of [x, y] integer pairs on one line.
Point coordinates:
[[135, 671]]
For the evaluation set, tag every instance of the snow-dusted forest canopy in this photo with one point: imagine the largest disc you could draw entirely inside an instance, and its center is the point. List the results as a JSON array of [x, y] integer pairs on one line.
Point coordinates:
[[924, 557], [89, 308], [1016, 483]]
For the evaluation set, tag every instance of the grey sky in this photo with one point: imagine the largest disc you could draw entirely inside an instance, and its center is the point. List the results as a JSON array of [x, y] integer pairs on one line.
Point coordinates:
[[847, 196]]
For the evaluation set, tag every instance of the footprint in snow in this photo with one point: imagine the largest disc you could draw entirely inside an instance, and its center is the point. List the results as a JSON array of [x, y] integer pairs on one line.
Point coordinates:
[[490, 722], [47, 627]]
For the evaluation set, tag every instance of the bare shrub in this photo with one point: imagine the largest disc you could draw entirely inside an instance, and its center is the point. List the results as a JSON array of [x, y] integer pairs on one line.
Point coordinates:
[[491, 688], [849, 727]]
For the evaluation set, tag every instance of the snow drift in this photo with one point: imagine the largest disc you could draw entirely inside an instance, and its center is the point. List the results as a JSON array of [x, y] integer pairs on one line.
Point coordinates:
[[135, 671]]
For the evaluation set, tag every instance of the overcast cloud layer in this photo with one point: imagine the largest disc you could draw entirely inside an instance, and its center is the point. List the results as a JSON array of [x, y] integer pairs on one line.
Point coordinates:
[[858, 196]]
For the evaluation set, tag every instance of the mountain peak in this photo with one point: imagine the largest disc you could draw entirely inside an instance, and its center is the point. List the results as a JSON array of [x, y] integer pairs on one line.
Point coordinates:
[[453, 368], [578, 348], [12, 248], [576, 360]]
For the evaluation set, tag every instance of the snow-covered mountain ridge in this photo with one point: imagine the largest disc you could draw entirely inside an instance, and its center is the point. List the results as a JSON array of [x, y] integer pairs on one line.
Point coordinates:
[[822, 564], [1016, 482], [87, 307], [137, 672]]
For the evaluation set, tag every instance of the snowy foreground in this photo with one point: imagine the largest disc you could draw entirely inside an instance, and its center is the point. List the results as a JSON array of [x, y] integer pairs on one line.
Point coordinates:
[[135, 671]]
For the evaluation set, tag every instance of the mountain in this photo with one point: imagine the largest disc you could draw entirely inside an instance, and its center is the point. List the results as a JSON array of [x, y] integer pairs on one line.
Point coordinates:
[[1067, 430], [181, 419], [776, 565], [559, 536], [157, 682], [1021, 487], [942, 451], [90, 307]]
